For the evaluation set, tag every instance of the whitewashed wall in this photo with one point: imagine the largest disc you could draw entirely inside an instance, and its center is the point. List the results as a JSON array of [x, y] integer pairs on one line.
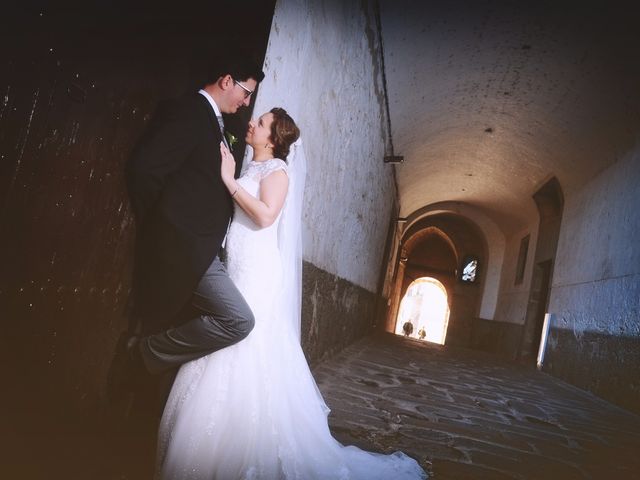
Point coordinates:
[[594, 341], [322, 66], [596, 282]]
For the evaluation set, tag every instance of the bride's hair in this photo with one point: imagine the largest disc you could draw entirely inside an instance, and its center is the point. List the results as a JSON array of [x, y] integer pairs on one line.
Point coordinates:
[[284, 132]]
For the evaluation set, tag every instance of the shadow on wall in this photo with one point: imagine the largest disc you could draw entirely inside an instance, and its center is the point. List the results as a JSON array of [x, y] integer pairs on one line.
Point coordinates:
[[78, 86]]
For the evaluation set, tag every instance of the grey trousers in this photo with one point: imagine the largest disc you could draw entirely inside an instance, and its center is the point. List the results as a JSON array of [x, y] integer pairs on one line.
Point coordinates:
[[226, 319]]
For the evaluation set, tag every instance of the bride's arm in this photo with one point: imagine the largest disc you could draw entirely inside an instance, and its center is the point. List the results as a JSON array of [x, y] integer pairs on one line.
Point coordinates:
[[273, 190], [265, 210]]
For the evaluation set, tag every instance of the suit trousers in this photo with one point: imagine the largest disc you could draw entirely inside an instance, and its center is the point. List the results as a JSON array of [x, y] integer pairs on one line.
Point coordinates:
[[225, 319]]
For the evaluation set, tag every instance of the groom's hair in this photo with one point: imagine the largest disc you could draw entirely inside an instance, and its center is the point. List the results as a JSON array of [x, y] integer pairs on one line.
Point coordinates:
[[240, 66]]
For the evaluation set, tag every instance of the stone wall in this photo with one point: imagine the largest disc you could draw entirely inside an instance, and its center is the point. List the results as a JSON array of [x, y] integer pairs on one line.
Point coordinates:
[[595, 296], [79, 84], [323, 66], [334, 313], [500, 338]]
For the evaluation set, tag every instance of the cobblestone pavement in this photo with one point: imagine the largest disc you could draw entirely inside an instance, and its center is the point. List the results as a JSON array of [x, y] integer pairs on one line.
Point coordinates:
[[468, 415]]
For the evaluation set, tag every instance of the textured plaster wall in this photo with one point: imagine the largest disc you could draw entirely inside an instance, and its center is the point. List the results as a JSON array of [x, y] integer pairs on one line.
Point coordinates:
[[322, 65], [597, 274], [513, 299], [594, 341]]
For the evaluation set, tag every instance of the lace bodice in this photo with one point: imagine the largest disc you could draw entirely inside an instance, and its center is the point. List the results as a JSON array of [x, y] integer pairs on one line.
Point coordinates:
[[261, 170], [249, 246]]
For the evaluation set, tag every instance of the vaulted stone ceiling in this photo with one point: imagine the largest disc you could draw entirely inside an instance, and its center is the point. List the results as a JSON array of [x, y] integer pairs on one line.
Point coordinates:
[[490, 99]]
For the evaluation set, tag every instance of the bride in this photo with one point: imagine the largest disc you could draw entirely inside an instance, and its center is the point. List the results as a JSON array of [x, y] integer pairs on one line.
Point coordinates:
[[253, 410]]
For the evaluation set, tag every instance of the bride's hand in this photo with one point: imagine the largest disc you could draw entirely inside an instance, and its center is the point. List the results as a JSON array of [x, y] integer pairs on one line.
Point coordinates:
[[228, 164]]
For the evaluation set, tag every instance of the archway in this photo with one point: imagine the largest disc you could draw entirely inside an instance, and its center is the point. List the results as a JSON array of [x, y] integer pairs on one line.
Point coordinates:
[[426, 307], [436, 247]]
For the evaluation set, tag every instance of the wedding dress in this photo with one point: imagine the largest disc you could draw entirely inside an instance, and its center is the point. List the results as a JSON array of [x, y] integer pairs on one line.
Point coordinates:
[[253, 410]]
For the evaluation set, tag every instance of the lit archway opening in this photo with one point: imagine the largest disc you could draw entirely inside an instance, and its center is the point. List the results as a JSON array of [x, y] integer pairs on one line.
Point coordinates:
[[426, 309]]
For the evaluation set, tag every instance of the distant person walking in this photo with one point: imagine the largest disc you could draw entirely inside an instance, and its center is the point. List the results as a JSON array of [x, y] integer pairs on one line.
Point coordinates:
[[407, 328], [422, 333]]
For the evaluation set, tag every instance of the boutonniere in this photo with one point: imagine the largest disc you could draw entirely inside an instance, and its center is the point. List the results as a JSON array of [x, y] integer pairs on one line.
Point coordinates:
[[231, 139]]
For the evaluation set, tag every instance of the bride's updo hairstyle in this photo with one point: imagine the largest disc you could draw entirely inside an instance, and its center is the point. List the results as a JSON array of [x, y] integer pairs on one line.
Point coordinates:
[[284, 132]]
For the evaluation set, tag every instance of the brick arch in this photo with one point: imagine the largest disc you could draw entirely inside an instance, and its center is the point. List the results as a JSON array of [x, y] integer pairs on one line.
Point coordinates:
[[416, 238], [429, 252]]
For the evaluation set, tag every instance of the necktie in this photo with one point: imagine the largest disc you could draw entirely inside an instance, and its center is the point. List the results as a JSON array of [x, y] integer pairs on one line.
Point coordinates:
[[224, 139], [221, 124]]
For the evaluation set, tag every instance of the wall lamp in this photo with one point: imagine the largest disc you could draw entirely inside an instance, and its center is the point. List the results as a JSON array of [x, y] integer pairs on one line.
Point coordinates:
[[393, 159]]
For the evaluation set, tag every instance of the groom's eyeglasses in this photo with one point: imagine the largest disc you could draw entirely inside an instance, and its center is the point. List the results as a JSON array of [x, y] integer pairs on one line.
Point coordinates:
[[247, 92]]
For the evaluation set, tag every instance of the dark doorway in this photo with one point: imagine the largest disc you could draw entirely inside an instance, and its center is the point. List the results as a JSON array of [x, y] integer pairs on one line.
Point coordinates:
[[549, 201], [538, 303]]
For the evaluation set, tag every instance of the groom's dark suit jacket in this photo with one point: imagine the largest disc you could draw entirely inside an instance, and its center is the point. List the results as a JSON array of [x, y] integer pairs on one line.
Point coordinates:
[[182, 208]]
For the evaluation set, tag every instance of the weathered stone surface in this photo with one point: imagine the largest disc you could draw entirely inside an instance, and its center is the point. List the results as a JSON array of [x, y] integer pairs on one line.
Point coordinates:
[[462, 414], [335, 313], [467, 414], [493, 336], [607, 365]]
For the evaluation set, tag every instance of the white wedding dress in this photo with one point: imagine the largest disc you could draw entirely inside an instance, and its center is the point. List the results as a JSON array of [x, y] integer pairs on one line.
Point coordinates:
[[253, 410]]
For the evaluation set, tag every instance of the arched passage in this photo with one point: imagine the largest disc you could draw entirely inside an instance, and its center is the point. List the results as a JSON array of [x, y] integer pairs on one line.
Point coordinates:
[[494, 239], [425, 307], [435, 247]]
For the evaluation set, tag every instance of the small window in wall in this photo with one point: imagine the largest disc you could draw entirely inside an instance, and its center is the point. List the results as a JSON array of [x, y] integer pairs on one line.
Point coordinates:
[[469, 271], [522, 259]]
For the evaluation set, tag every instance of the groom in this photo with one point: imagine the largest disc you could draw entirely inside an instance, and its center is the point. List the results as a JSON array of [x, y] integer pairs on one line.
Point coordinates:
[[183, 300]]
